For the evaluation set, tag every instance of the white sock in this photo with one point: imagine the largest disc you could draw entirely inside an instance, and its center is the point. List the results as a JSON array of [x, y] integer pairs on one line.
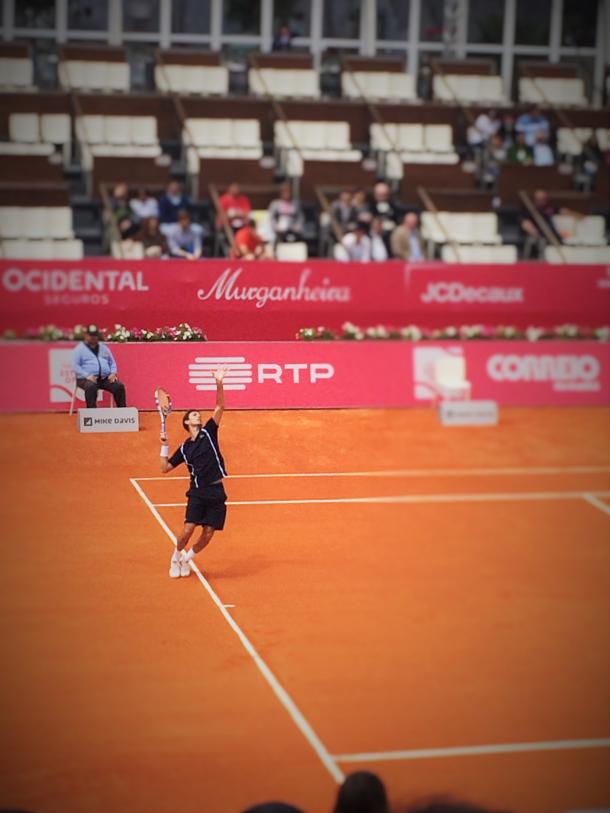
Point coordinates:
[[176, 555], [190, 554]]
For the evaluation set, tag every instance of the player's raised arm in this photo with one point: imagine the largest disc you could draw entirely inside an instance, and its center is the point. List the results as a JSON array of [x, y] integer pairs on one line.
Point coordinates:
[[219, 375], [165, 464]]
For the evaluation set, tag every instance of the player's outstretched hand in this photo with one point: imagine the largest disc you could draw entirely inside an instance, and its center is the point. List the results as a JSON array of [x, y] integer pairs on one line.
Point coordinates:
[[220, 373], [163, 437]]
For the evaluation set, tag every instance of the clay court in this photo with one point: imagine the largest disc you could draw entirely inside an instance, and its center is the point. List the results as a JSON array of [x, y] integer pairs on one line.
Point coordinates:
[[427, 603]]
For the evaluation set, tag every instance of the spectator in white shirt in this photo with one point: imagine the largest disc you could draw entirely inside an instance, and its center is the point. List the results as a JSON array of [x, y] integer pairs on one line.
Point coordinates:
[[357, 245], [543, 154], [486, 125], [144, 205], [379, 250]]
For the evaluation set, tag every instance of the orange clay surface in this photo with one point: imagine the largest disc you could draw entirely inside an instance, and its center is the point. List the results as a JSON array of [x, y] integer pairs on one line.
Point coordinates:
[[394, 626]]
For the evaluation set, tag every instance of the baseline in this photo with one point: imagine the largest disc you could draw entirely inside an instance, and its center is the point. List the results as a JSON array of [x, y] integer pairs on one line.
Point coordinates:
[[473, 750]]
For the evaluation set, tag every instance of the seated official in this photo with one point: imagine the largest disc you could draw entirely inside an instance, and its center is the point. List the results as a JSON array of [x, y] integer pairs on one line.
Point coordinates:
[[95, 369]]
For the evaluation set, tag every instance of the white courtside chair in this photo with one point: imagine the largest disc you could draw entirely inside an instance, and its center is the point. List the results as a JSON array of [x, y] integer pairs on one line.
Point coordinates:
[[450, 378]]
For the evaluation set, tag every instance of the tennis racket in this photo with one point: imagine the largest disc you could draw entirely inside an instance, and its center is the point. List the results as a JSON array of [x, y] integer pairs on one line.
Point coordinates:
[[164, 406]]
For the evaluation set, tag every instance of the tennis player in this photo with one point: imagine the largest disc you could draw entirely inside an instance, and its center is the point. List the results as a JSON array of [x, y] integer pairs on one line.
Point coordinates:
[[206, 495]]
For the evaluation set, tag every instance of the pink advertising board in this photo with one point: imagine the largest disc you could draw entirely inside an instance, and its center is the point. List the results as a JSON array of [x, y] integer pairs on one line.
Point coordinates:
[[271, 301], [283, 375]]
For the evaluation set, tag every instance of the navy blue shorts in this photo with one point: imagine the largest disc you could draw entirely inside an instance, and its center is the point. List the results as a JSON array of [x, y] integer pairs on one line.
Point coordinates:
[[207, 506]]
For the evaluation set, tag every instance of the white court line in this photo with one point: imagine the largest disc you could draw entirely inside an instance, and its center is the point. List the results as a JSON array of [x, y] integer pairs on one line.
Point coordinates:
[[472, 750], [415, 499], [592, 497], [279, 691], [475, 472]]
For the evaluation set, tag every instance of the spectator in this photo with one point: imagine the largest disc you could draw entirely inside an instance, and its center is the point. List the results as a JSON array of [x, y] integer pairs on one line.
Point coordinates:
[[406, 241], [344, 211], [361, 206], [286, 217], [283, 39], [520, 152], [95, 369], [507, 130], [121, 210], [144, 205], [357, 244], [171, 202], [485, 126], [152, 238], [236, 206], [531, 125], [361, 792], [591, 159], [379, 249], [494, 155], [248, 245], [547, 211], [543, 154], [184, 238], [383, 207]]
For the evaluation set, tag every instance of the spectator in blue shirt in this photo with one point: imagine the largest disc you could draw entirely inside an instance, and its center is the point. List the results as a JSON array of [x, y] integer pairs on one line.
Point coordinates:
[[171, 202], [184, 238], [532, 124], [95, 369]]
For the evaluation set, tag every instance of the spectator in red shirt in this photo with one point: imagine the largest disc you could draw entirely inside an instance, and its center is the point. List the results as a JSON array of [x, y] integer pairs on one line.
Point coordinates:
[[236, 207], [249, 245]]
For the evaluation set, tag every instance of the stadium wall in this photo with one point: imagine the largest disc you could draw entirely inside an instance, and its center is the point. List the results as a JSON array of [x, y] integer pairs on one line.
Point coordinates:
[[279, 375], [268, 300]]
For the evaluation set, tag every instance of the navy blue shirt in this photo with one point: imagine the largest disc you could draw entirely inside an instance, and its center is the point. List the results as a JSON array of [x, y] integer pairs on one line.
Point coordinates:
[[202, 457]]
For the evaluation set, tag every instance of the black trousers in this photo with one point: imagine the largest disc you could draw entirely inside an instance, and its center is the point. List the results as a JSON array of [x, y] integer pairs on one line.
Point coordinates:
[[117, 388]]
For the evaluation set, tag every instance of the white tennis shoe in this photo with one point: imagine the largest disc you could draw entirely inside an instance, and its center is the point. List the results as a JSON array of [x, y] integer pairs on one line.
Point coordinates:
[[185, 568], [174, 567]]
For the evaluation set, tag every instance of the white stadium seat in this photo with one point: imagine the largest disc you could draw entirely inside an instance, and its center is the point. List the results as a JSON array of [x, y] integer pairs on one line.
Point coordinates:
[[479, 254], [283, 82], [578, 254], [558, 91], [24, 127], [16, 73], [586, 231], [291, 252]]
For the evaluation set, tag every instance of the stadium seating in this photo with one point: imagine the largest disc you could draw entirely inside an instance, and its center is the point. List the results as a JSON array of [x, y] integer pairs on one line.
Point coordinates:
[[476, 228], [16, 66], [412, 143], [586, 231], [199, 72], [116, 136], [570, 140], [469, 89], [38, 134], [560, 91], [291, 252], [479, 254], [378, 85], [24, 249], [578, 254], [284, 76], [301, 141], [551, 84], [39, 232], [93, 68]]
